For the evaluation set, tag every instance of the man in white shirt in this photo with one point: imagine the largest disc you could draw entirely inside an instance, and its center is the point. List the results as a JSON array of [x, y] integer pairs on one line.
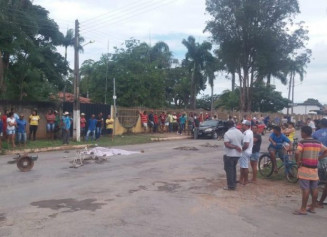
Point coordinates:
[[233, 150], [246, 151], [311, 124]]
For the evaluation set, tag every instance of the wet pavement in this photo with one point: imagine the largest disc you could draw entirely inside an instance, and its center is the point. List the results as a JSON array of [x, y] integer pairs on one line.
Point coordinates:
[[162, 192]]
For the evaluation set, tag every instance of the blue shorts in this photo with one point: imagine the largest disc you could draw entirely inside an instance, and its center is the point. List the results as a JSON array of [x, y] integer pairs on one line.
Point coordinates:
[[308, 184], [50, 127], [244, 160], [255, 156], [278, 152], [11, 132]]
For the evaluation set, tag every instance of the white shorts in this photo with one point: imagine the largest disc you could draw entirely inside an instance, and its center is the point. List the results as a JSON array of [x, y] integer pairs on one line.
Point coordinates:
[[145, 125], [244, 160]]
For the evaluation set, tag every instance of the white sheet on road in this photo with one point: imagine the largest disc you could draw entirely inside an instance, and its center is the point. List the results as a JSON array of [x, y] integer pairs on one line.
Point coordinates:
[[102, 151]]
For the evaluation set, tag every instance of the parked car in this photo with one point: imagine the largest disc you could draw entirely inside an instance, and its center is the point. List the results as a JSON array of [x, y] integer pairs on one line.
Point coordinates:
[[214, 129]]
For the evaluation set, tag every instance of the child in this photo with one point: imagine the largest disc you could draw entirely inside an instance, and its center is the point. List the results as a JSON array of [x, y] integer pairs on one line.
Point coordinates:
[[21, 129]]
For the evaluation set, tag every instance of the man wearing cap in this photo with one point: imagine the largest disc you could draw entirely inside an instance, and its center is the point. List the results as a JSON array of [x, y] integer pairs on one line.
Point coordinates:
[[83, 125], [66, 128], [233, 150], [246, 151]]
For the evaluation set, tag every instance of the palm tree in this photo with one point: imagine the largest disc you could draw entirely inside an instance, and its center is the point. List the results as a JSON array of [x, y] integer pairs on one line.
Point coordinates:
[[69, 41], [195, 60], [295, 67], [212, 66]]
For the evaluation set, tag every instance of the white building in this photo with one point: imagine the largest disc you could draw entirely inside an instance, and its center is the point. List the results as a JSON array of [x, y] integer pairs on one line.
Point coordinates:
[[302, 109]]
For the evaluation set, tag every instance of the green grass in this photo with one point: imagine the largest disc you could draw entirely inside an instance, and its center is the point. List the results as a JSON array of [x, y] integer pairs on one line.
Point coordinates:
[[103, 141]]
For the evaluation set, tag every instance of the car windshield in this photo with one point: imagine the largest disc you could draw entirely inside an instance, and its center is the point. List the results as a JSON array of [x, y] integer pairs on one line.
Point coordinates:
[[209, 123]]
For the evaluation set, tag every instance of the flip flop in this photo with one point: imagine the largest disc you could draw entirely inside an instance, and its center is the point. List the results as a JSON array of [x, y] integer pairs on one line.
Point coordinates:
[[309, 210], [298, 213]]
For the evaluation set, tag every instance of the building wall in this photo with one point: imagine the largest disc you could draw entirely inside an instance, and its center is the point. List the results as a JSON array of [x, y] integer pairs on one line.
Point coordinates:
[[302, 109]]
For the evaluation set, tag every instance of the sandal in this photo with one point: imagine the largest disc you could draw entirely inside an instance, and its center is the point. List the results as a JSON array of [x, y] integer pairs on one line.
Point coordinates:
[[299, 213]]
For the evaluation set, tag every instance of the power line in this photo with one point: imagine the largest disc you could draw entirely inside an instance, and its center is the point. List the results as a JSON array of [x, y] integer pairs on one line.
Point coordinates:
[[123, 19], [86, 22]]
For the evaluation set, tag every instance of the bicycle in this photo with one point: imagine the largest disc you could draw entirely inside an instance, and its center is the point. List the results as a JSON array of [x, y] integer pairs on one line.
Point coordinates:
[[266, 167]]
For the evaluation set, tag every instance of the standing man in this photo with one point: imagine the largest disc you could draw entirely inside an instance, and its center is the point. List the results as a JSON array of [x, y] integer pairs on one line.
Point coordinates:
[[255, 152], [144, 120], [182, 122], [83, 125], [91, 127], [156, 122], [11, 129], [196, 126], [307, 156], [321, 135], [110, 126], [99, 126], [233, 150], [51, 118], [246, 151], [311, 124], [151, 121], [21, 129], [66, 121]]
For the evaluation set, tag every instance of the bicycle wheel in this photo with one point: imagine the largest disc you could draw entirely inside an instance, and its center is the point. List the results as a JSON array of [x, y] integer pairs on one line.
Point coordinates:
[[291, 174], [266, 167]]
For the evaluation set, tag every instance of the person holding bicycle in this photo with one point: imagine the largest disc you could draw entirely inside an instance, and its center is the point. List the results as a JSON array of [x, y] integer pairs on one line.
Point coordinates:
[[276, 147]]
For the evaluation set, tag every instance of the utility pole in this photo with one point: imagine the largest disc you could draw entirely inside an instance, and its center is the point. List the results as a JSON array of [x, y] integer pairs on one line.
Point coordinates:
[[293, 85], [115, 108], [106, 89], [76, 112]]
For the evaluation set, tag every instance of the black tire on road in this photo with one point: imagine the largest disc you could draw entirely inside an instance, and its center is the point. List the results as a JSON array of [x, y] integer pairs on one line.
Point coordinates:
[[25, 163], [265, 164]]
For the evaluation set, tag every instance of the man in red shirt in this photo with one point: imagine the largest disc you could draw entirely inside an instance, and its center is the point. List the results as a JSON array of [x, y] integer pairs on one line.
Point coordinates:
[[50, 117], [144, 120], [83, 125], [162, 121], [156, 122]]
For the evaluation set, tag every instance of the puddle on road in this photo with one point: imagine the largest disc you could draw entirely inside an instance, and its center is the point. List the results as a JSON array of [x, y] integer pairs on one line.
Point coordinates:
[[72, 205]]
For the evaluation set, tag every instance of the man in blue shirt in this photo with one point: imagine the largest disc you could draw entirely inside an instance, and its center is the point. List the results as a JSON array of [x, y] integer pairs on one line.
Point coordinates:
[[21, 130], [321, 135], [277, 140], [91, 127], [66, 122]]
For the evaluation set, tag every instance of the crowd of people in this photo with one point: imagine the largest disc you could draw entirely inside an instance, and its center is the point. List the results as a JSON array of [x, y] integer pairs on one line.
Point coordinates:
[[13, 127], [179, 122], [244, 145]]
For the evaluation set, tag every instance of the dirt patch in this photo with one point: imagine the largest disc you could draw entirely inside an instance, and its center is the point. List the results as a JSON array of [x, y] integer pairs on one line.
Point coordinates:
[[167, 187], [70, 205], [186, 148], [140, 188], [210, 145], [2, 217]]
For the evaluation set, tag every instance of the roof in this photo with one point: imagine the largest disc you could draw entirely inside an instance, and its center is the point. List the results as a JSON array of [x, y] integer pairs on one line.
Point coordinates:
[[70, 98]]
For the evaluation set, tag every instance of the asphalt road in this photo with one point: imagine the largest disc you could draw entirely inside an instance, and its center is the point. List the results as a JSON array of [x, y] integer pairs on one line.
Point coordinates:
[[161, 192]]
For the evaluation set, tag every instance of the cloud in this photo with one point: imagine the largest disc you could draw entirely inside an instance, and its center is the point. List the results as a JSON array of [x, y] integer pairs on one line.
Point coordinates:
[[173, 20]]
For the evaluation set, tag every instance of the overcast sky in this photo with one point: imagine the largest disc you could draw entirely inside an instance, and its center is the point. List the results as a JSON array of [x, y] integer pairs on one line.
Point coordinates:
[[172, 21]]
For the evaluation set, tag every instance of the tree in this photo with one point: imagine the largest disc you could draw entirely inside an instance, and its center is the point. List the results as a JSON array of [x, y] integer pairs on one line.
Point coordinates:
[[28, 56], [195, 60], [265, 99], [254, 39]]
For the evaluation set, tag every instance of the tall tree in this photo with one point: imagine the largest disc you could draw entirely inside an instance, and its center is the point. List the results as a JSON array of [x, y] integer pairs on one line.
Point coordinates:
[[28, 40], [244, 29], [195, 59]]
